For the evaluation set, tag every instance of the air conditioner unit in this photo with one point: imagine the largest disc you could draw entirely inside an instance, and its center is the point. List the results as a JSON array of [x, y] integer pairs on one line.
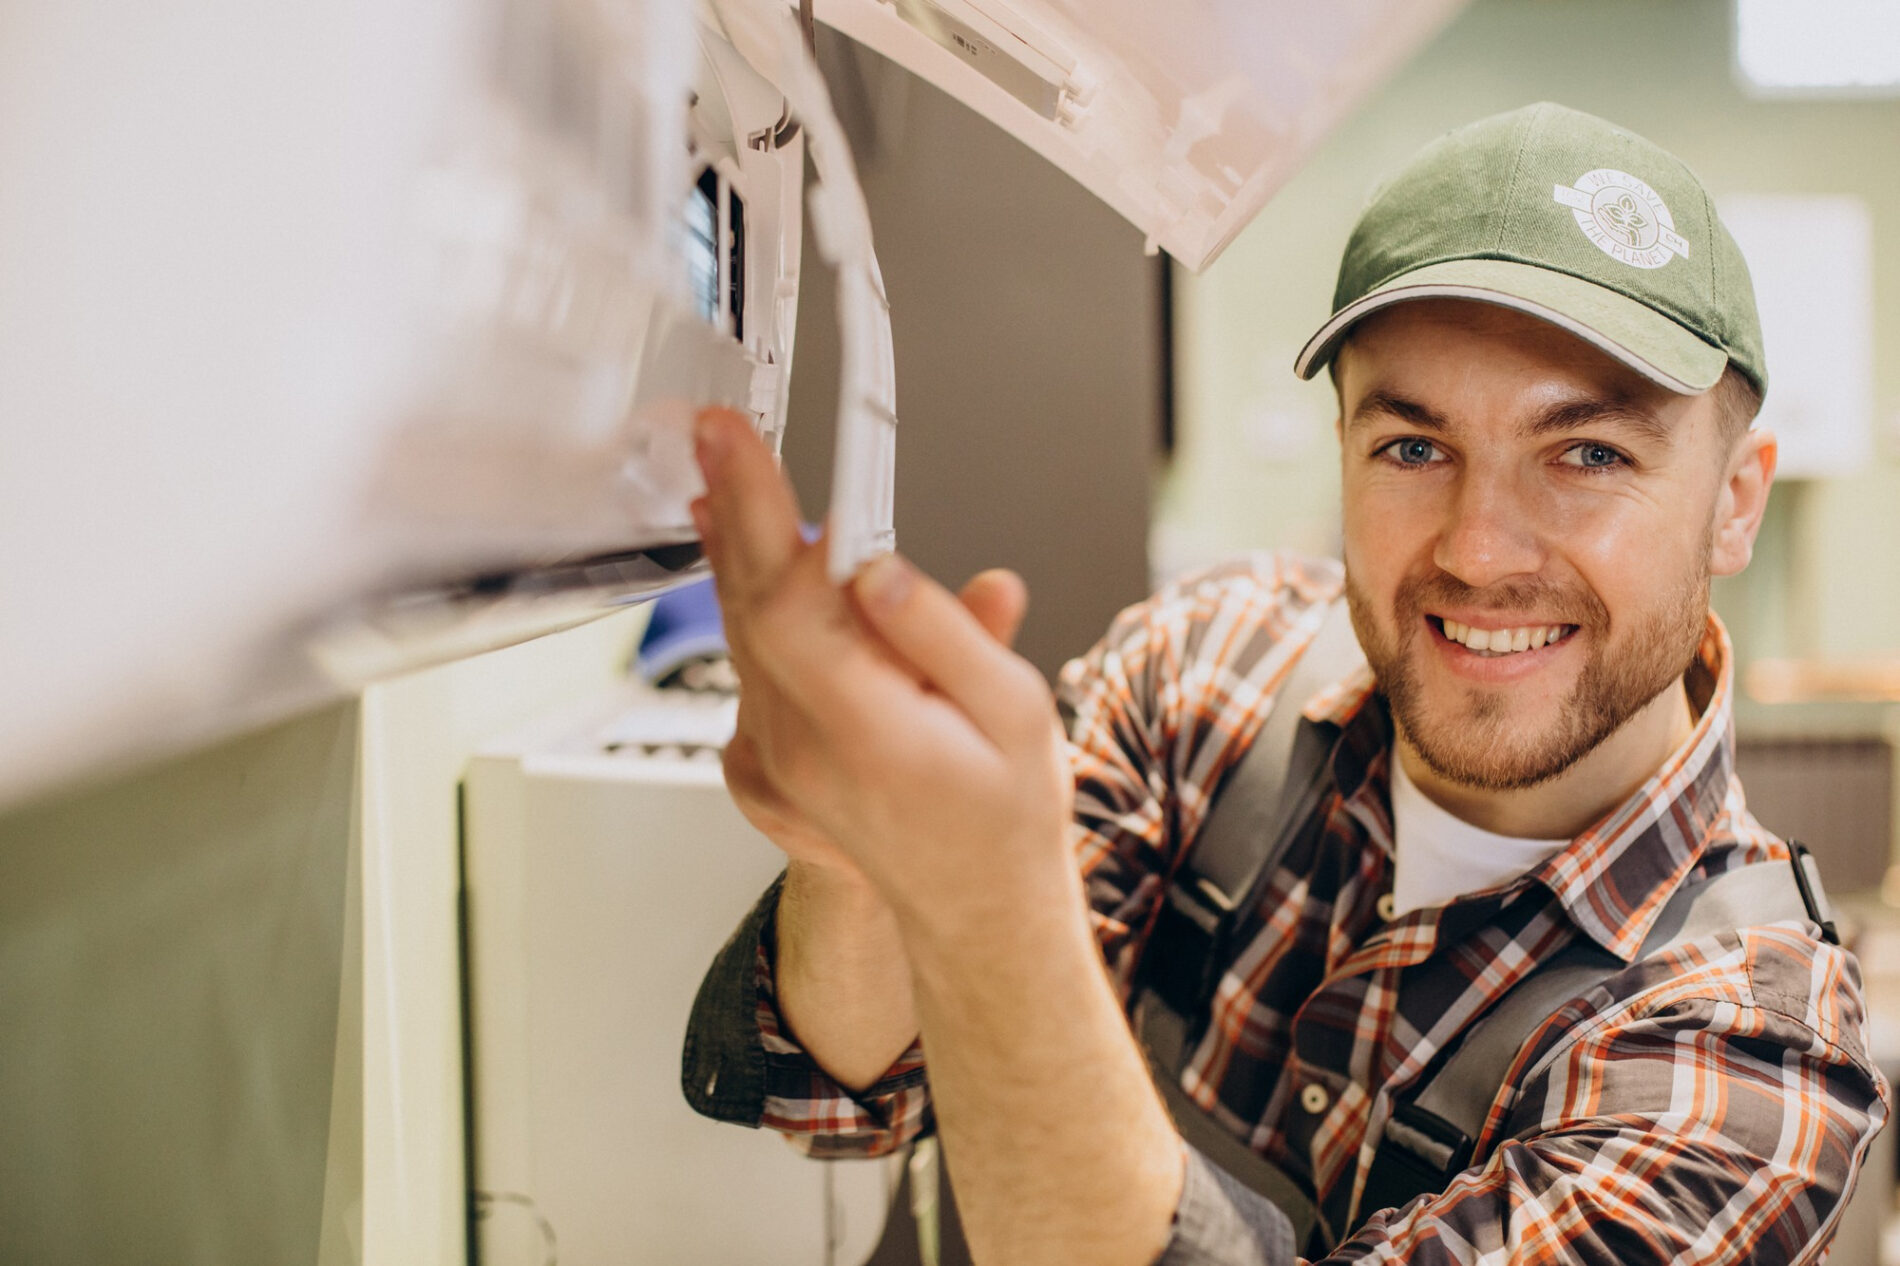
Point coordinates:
[[341, 338]]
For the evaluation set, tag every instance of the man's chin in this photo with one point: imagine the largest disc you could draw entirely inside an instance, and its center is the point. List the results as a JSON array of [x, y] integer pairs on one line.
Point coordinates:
[[1501, 740], [1495, 765]]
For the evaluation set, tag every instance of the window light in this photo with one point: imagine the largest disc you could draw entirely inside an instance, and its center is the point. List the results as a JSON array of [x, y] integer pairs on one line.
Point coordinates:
[[1823, 46]]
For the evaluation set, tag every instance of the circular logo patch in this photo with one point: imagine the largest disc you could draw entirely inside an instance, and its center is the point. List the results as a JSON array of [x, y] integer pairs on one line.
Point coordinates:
[[1624, 217]]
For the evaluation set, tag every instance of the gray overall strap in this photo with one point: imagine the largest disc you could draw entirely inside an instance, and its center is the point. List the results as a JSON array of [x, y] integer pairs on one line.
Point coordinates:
[[1252, 820], [1430, 1134], [1257, 810]]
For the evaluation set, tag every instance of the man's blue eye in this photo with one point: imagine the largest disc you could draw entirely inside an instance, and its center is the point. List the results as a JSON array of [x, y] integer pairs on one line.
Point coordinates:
[[1415, 452], [1593, 456]]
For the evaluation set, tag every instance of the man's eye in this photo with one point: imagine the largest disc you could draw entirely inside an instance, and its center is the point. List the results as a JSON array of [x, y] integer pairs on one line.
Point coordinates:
[[1593, 456], [1412, 452]]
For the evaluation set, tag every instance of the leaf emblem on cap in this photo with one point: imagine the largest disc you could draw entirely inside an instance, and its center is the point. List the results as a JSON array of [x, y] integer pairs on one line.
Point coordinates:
[[1625, 217]]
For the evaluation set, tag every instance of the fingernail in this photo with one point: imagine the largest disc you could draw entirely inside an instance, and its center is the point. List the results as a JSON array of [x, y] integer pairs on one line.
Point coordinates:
[[709, 443], [885, 582]]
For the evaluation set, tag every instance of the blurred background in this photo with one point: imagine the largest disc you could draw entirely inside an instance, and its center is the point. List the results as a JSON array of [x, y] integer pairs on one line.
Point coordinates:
[[235, 1004]]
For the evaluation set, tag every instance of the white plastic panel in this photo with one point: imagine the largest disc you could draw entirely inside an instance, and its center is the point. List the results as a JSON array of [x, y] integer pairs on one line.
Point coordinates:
[[337, 338], [347, 337], [1183, 117]]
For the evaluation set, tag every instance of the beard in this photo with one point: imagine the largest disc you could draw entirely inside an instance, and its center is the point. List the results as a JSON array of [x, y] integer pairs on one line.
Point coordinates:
[[1467, 735]]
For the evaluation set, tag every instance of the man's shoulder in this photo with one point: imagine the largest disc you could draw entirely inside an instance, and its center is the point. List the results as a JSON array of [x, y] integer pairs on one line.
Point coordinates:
[[1223, 630], [1229, 614], [1772, 965], [1274, 577], [1262, 594]]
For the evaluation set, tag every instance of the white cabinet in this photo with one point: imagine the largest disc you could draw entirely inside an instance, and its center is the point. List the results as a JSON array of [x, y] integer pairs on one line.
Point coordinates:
[[599, 887]]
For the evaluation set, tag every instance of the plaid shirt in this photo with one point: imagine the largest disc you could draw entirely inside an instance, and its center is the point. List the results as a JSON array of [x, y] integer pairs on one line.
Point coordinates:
[[1711, 1103]]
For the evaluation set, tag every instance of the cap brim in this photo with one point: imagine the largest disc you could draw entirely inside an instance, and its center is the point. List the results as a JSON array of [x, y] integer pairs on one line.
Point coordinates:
[[1635, 334]]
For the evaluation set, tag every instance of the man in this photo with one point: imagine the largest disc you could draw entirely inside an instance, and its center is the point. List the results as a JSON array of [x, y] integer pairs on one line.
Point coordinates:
[[1547, 358]]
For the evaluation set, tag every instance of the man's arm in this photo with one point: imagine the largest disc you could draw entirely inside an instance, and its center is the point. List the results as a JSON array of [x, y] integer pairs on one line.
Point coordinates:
[[843, 980], [1057, 1144], [931, 756]]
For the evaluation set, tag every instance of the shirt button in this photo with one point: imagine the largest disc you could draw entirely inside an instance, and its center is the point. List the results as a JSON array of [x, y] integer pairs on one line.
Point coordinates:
[[1314, 1099], [1387, 908]]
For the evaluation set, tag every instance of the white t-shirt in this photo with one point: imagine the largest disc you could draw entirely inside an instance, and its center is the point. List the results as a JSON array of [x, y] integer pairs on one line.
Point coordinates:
[[1440, 857]]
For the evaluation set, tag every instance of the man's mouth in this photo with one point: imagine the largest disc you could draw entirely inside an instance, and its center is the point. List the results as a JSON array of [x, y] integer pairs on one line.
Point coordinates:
[[1496, 642]]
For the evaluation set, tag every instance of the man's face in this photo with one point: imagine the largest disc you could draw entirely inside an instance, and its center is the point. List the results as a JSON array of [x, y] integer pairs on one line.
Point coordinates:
[[1510, 488]]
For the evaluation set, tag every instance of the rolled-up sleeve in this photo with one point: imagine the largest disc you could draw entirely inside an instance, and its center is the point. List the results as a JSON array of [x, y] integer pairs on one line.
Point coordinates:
[[741, 1065]]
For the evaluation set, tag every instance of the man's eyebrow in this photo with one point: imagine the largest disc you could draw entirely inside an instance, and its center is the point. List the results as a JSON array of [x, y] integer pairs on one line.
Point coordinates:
[[1384, 402], [1575, 414], [1570, 415]]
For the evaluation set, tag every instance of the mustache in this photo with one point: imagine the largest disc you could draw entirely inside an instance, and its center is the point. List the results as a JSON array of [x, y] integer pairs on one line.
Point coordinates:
[[1437, 590]]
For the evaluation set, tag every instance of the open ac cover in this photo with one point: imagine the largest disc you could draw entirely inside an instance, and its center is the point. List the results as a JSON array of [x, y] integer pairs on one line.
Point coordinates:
[[350, 337]]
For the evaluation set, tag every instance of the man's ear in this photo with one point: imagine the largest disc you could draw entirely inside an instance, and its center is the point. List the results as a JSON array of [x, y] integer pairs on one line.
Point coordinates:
[[1742, 500]]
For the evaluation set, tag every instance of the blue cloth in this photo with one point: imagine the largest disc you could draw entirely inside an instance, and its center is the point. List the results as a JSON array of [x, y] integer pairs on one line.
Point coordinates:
[[685, 624]]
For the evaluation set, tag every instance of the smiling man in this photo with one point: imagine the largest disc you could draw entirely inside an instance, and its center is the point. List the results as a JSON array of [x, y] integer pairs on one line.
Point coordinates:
[[1529, 553], [1547, 360]]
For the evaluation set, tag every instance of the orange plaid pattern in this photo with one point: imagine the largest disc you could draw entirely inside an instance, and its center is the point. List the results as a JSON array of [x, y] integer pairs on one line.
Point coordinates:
[[1706, 1105]]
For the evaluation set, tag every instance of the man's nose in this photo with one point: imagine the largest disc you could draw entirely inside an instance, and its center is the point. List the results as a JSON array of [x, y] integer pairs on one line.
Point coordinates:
[[1491, 531]]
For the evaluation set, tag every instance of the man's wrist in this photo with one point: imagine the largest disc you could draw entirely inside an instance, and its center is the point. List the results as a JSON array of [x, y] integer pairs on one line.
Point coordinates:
[[1030, 936], [1026, 888], [818, 896]]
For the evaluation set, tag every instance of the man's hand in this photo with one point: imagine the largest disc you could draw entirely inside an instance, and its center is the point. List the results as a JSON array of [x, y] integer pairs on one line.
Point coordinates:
[[995, 598], [884, 729]]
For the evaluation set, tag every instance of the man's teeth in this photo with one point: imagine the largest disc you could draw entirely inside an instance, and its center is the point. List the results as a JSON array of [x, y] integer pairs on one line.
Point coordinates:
[[1506, 641]]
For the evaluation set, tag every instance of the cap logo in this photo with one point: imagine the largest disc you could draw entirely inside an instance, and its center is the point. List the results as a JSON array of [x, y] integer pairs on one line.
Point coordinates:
[[1624, 217]]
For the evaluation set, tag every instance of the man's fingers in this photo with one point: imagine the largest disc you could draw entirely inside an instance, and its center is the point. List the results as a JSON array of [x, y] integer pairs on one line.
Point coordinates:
[[749, 519], [998, 599], [950, 646]]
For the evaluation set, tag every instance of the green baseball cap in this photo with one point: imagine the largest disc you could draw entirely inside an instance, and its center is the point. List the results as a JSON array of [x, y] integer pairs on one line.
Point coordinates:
[[1569, 218]]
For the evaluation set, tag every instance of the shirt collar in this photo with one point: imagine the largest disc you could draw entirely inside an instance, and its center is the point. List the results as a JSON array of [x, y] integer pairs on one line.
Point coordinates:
[[1614, 878]]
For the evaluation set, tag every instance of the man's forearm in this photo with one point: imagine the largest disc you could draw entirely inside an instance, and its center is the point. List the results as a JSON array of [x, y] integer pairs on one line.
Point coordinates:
[[892, 721], [844, 984], [1057, 1142]]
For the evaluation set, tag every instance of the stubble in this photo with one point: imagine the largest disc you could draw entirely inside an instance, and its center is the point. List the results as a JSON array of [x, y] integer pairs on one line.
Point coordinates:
[[1468, 735]]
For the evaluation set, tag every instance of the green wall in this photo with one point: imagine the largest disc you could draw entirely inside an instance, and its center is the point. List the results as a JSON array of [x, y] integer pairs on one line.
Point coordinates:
[[1257, 461], [171, 977], [230, 1013]]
